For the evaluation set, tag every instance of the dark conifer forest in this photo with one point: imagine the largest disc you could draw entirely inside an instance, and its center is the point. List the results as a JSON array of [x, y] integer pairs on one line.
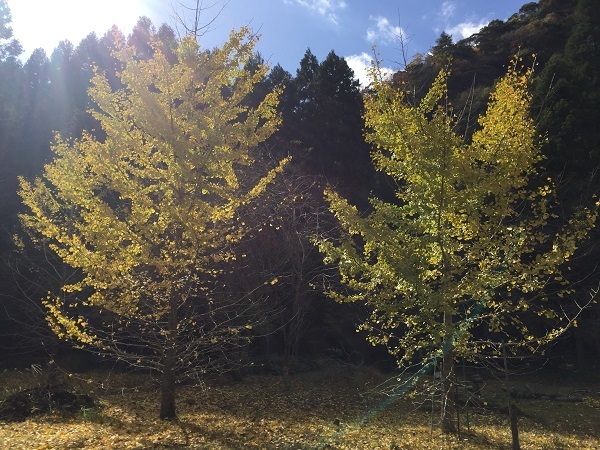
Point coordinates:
[[268, 297]]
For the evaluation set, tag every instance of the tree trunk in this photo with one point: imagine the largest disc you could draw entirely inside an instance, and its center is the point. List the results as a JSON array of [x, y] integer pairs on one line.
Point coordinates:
[[287, 356], [167, 400], [447, 413], [512, 411], [580, 347]]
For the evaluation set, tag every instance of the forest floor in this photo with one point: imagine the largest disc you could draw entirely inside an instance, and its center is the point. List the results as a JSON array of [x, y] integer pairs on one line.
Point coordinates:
[[335, 408]]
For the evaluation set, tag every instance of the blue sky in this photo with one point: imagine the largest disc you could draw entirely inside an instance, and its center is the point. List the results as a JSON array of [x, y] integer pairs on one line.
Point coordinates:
[[288, 27]]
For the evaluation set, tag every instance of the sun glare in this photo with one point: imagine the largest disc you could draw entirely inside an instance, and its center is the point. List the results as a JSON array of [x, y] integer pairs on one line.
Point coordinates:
[[42, 23]]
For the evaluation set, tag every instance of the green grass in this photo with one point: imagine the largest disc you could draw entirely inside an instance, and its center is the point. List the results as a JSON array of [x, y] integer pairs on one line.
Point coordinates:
[[327, 409]]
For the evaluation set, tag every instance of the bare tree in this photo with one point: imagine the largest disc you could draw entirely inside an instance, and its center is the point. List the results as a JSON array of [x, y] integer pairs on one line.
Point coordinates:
[[189, 20], [29, 274], [282, 255]]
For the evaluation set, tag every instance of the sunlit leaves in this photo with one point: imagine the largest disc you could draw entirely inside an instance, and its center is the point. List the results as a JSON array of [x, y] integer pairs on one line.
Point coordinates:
[[470, 235], [147, 215]]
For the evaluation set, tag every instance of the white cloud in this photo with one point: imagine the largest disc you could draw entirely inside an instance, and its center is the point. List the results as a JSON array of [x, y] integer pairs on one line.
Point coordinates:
[[360, 65], [325, 8], [463, 29], [448, 10], [466, 29], [383, 31]]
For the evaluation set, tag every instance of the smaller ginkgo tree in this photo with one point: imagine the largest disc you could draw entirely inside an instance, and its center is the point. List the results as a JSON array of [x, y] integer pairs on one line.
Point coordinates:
[[148, 216], [466, 254]]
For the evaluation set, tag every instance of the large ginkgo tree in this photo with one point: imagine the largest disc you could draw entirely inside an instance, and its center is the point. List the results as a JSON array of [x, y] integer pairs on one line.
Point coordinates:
[[148, 215], [466, 253]]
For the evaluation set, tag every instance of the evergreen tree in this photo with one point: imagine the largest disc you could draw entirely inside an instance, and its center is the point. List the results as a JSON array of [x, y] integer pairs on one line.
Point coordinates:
[[306, 80], [141, 38], [12, 86], [35, 140], [443, 49], [567, 98], [10, 48], [322, 116]]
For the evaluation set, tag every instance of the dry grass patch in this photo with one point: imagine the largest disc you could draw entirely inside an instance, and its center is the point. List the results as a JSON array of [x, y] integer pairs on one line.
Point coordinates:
[[326, 410]]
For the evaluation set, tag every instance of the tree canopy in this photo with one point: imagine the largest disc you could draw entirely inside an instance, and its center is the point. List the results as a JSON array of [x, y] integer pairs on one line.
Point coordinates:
[[147, 215], [466, 248]]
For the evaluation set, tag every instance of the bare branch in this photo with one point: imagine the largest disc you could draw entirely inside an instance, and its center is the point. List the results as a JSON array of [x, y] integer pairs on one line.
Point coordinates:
[[196, 28]]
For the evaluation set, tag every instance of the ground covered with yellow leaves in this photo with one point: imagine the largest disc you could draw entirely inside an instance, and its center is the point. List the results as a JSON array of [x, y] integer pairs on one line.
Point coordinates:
[[328, 409]]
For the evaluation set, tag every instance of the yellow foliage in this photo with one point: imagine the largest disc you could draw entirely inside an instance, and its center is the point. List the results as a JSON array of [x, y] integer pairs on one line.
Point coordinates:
[[467, 237], [144, 212]]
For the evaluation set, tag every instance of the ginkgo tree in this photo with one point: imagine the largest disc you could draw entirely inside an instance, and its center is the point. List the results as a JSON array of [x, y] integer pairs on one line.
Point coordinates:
[[148, 215], [470, 247]]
